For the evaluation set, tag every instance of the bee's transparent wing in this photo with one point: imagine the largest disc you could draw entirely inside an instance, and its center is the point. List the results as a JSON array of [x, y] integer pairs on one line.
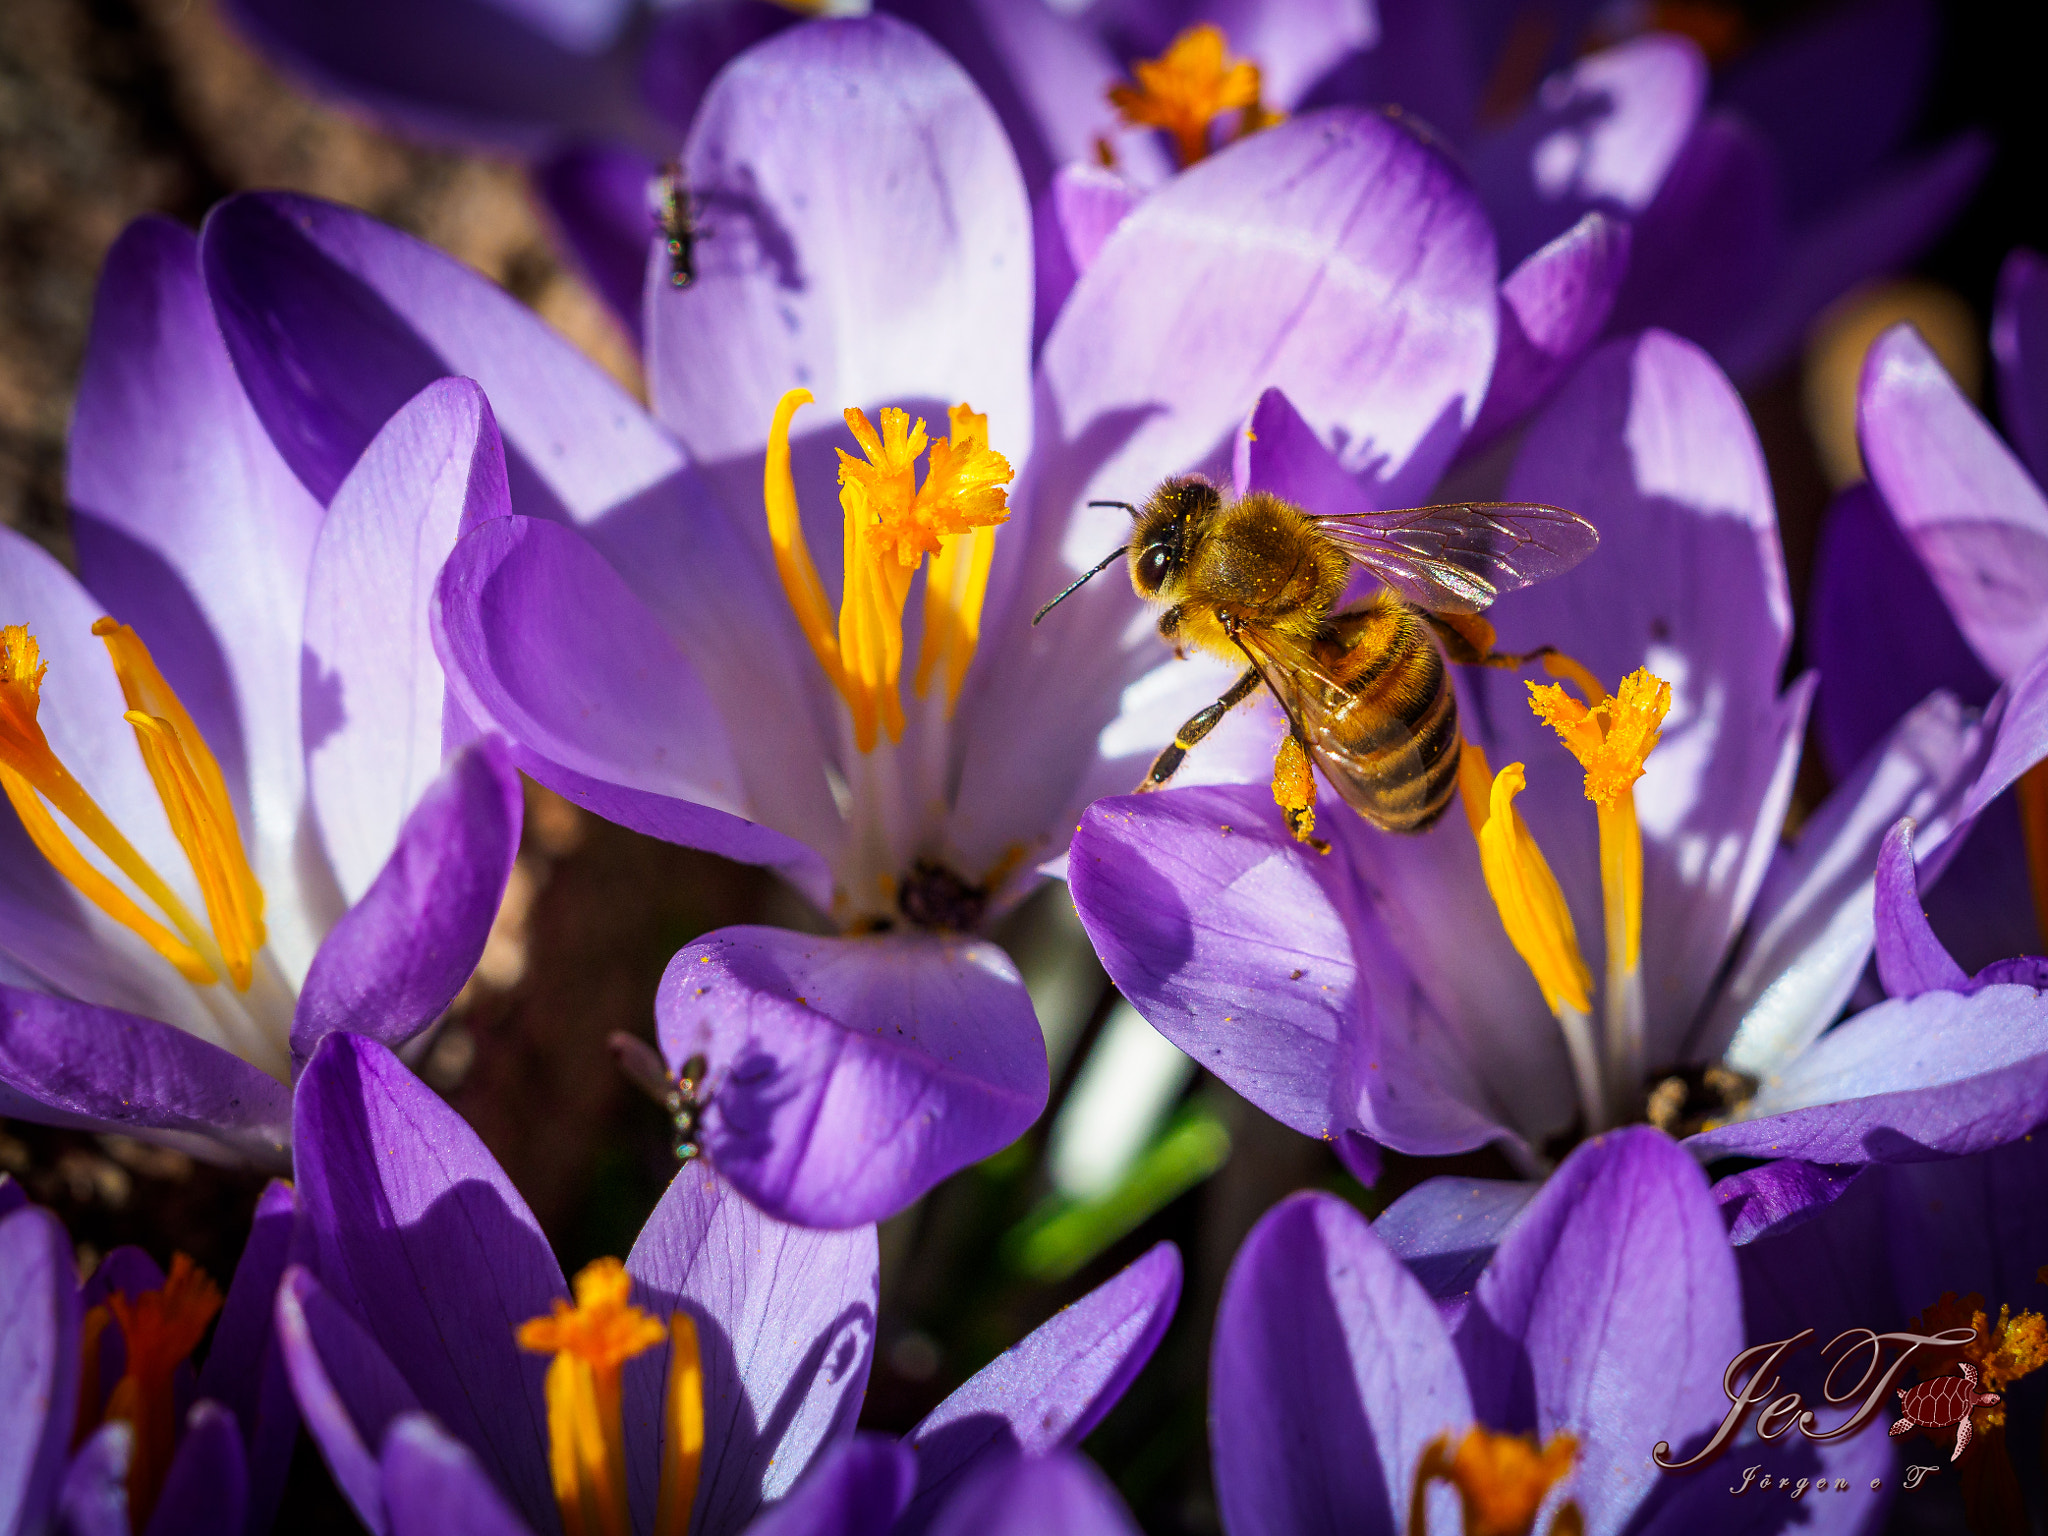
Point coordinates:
[[1459, 557]]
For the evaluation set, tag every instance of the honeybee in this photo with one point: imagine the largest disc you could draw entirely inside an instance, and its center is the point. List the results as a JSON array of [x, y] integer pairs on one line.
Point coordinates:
[[1258, 580], [676, 216]]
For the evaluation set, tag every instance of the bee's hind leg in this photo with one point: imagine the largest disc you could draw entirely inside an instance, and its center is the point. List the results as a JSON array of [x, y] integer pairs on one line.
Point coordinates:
[[1167, 763], [1468, 640], [1294, 789]]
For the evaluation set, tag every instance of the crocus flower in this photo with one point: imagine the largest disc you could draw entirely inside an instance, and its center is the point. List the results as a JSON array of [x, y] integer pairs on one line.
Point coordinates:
[[1653, 953], [1346, 1397], [660, 647], [1948, 543], [231, 829], [432, 1342], [103, 1427]]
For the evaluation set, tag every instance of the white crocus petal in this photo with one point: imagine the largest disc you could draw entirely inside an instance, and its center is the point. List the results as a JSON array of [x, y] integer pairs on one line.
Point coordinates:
[[1130, 1081]]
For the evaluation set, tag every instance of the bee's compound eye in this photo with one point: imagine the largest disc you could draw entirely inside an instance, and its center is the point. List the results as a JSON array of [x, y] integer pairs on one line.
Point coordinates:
[[1152, 566]]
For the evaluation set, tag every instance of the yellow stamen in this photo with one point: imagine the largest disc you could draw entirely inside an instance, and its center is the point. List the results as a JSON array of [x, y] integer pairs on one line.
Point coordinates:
[[1612, 737], [591, 1342], [30, 769], [2032, 794], [682, 1438], [160, 1329], [1532, 906], [1188, 87], [1502, 1481], [891, 524]]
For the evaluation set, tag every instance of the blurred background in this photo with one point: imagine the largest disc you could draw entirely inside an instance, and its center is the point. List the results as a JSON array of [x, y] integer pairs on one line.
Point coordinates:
[[110, 109]]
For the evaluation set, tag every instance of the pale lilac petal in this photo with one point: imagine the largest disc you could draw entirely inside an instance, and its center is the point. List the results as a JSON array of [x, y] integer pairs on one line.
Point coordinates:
[[1238, 945], [804, 147], [38, 1363], [434, 1487], [2018, 719], [374, 699], [1651, 444], [1079, 211], [785, 1328], [193, 530], [597, 199], [1330, 1373], [1368, 296], [856, 1489], [66, 1063], [1878, 631], [1445, 1229], [400, 954], [850, 1075], [94, 1498], [1885, 226], [2019, 344], [421, 1237], [245, 1367], [1610, 1310], [1969, 508], [346, 1387], [1602, 134], [1048, 1391], [619, 703], [519, 74], [206, 1491], [1810, 933], [1939, 1074], [1910, 959], [1061, 1492], [1553, 306]]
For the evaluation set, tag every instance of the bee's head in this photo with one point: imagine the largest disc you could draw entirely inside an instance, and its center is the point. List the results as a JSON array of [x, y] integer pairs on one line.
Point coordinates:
[[1163, 538]]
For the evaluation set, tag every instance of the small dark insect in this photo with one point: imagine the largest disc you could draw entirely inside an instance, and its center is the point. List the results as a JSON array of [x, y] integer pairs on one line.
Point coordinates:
[[681, 1097], [677, 218]]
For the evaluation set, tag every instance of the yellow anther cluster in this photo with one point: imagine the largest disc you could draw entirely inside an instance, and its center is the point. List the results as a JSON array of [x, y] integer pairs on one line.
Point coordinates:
[[159, 1331], [1501, 1480], [1611, 736], [591, 1341], [1188, 87], [2003, 1352], [188, 781], [892, 523]]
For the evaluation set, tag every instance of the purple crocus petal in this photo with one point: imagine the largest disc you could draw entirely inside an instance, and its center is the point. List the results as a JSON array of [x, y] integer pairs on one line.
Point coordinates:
[[400, 954], [434, 1487], [1611, 1309], [1941, 1073], [345, 1385], [419, 1234], [1278, 451], [513, 73], [850, 1075], [2019, 344], [1836, 92], [1445, 1229], [1971, 511], [244, 1366], [1878, 632], [1910, 959], [11, 1197], [806, 147], [66, 1063], [1602, 134], [620, 720], [855, 1489], [206, 1490], [1711, 241], [1361, 1156], [1650, 443], [596, 197], [1686, 1506], [1330, 1373], [1047, 1392], [2019, 719], [1080, 211], [1552, 308], [785, 1332], [192, 529], [374, 699], [1967, 1224], [94, 1498], [1062, 1492], [38, 1363], [1885, 226], [1773, 1198]]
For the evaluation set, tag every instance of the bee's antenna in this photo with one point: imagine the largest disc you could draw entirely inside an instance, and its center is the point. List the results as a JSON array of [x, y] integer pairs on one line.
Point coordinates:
[[1095, 570], [1124, 504]]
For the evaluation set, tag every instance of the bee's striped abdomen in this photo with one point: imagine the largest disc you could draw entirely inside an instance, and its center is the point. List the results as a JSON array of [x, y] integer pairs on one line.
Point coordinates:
[[1396, 762]]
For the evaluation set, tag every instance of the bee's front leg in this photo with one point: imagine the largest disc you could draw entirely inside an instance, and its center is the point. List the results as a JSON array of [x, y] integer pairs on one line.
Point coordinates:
[[1167, 763]]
